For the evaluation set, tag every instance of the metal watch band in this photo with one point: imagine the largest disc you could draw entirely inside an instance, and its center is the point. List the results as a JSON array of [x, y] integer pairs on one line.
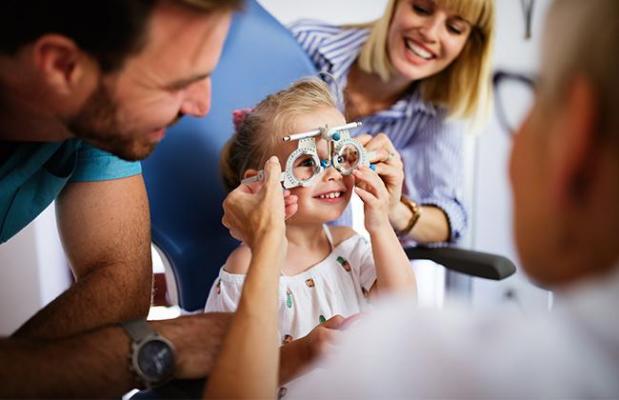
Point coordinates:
[[138, 329]]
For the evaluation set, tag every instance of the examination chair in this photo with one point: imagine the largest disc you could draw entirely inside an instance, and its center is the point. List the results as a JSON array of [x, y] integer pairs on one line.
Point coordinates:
[[182, 176]]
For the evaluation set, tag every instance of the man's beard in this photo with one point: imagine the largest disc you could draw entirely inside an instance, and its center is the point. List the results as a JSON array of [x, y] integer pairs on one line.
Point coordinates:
[[98, 124]]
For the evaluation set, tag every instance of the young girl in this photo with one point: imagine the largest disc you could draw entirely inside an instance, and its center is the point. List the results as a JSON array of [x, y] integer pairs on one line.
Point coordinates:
[[328, 271]]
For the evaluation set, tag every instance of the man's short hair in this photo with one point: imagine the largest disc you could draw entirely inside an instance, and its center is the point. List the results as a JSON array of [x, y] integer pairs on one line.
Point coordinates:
[[109, 30]]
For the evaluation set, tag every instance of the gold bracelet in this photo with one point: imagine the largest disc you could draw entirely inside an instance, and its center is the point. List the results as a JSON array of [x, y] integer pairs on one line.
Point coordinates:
[[416, 213]]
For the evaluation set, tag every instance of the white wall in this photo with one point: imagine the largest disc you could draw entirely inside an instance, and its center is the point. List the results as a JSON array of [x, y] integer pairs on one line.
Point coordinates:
[[33, 271], [336, 12], [492, 228]]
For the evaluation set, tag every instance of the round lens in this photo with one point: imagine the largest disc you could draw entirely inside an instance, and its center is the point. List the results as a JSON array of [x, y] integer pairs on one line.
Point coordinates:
[[347, 159], [305, 167]]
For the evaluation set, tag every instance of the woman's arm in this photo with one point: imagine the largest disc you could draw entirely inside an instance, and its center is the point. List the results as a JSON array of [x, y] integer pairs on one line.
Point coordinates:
[[249, 361], [431, 226]]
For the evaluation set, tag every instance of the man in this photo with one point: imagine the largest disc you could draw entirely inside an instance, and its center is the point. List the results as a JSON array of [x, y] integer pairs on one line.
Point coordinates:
[[82, 83], [565, 175]]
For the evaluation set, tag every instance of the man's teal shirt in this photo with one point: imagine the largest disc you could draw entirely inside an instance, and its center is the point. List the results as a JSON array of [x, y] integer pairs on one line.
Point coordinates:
[[35, 173]]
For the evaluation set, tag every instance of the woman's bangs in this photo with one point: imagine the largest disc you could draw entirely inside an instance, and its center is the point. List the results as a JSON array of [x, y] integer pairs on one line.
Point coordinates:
[[477, 12]]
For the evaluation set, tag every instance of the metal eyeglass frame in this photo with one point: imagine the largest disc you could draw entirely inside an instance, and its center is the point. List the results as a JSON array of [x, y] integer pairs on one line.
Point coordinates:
[[338, 139]]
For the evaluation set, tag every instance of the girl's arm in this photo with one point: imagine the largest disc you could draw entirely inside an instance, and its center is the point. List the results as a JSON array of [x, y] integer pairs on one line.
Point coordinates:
[[393, 269], [248, 364]]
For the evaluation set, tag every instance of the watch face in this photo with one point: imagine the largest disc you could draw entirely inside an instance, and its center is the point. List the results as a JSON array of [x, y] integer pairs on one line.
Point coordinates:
[[156, 360]]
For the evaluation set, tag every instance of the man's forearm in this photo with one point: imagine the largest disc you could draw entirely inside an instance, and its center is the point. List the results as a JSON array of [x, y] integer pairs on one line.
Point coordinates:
[[96, 364], [294, 360], [93, 302], [249, 352], [88, 365]]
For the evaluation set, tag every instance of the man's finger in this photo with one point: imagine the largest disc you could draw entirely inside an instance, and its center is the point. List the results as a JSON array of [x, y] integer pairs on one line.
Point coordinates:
[[291, 210], [334, 322], [351, 320], [272, 173]]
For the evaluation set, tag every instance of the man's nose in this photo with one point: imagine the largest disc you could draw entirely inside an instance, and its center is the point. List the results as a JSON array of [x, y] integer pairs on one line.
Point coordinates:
[[197, 101]]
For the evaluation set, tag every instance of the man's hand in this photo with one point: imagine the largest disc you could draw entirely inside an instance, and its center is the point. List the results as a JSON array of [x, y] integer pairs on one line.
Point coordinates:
[[250, 211], [297, 356]]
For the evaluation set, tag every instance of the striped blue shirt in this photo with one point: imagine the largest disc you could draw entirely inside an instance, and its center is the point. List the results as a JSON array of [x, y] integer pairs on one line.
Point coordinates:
[[431, 147]]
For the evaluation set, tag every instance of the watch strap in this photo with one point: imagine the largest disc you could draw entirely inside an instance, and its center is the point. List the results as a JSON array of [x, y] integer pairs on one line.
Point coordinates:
[[138, 329], [415, 214]]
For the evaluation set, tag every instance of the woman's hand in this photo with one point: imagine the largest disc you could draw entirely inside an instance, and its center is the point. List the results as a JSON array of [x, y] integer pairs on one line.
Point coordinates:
[[376, 199], [251, 212], [388, 164]]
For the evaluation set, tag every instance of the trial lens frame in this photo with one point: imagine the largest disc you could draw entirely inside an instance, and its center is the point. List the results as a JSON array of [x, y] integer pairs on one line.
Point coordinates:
[[338, 139]]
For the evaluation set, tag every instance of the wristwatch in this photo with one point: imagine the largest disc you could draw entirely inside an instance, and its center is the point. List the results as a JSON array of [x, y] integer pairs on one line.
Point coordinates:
[[152, 356], [415, 214]]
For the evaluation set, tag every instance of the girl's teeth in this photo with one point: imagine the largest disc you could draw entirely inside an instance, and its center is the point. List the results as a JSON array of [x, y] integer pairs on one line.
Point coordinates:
[[333, 195]]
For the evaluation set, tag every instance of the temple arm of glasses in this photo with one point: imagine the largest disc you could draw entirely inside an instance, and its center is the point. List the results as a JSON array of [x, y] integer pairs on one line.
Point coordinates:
[[320, 131], [258, 177]]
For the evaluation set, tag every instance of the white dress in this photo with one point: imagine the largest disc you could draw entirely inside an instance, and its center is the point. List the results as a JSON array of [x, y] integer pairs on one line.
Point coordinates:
[[337, 285]]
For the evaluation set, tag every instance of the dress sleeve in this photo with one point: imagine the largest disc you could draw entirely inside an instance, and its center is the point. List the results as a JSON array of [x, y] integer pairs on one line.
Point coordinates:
[[433, 164], [225, 293]]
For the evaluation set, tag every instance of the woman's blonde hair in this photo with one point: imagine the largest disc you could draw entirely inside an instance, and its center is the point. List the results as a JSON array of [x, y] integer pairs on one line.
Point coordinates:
[[258, 130], [464, 87]]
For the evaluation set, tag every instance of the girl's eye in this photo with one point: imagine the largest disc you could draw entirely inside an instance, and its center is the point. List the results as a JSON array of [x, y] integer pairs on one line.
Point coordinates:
[[306, 162]]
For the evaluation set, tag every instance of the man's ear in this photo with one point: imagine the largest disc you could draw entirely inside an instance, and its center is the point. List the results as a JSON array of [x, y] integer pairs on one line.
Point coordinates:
[[574, 143], [61, 62], [250, 173]]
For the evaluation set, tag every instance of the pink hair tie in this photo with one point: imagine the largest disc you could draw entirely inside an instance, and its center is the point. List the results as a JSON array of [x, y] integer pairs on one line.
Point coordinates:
[[239, 116]]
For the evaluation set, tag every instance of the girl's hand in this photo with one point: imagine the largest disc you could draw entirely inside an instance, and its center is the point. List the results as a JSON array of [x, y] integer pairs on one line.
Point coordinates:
[[252, 212], [388, 165], [376, 199]]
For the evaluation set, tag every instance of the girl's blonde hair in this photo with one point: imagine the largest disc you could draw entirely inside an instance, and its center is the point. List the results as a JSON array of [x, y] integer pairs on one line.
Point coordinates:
[[273, 118], [463, 88]]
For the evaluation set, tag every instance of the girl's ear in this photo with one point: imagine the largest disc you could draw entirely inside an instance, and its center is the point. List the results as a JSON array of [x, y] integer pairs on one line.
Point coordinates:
[[250, 173]]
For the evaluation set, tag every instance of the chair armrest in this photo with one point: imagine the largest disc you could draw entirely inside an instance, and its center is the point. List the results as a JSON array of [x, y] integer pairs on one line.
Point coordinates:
[[469, 262]]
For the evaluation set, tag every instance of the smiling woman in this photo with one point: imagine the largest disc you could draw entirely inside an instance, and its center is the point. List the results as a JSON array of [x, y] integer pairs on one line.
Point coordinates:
[[410, 75]]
